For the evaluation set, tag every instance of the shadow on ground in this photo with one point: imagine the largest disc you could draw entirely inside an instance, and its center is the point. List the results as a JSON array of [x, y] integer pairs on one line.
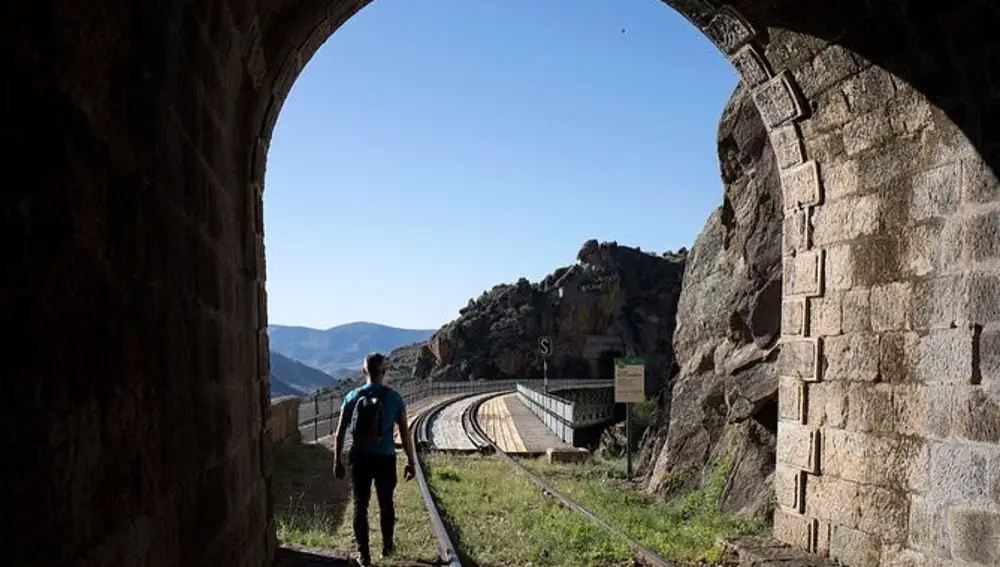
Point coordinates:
[[305, 489]]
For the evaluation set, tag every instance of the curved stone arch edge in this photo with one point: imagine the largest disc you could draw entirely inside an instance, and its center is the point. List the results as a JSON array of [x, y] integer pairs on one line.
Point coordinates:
[[775, 94]]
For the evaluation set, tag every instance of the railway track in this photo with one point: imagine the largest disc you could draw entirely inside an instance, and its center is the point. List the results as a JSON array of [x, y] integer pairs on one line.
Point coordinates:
[[419, 432], [486, 445]]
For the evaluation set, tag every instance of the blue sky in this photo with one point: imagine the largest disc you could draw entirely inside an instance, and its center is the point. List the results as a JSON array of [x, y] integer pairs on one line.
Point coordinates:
[[434, 148]]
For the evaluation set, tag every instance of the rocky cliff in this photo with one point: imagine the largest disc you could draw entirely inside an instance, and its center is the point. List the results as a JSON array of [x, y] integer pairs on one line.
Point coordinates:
[[614, 301], [722, 408]]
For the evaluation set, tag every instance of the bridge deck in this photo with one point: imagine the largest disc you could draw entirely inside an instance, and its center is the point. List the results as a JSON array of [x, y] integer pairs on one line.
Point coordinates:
[[448, 431], [514, 428]]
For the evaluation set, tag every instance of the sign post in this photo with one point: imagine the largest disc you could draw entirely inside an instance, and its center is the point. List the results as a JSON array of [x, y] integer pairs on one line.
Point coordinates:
[[545, 347], [630, 388]]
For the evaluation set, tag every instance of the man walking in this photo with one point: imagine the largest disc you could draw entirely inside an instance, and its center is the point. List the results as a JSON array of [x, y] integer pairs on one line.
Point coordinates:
[[371, 411]]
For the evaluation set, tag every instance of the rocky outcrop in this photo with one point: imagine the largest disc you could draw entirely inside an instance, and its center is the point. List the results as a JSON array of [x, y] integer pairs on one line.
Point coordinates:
[[722, 407], [614, 301]]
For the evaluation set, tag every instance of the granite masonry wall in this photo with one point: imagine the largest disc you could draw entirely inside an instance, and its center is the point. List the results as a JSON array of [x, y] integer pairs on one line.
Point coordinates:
[[137, 137]]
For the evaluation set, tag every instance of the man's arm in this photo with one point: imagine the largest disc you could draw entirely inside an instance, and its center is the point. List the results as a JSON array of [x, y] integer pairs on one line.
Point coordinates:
[[338, 443], [404, 434]]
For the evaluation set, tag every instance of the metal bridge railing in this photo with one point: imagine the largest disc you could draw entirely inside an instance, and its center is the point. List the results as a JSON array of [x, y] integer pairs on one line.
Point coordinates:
[[564, 416]]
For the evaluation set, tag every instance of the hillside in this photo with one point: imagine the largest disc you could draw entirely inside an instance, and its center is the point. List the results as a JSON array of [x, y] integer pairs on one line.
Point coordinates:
[[613, 300], [291, 378], [339, 351]]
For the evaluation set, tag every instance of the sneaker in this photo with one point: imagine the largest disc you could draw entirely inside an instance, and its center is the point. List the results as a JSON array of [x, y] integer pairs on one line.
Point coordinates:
[[387, 551], [363, 559]]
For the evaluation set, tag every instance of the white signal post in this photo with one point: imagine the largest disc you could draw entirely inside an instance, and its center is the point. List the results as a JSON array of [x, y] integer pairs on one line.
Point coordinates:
[[630, 388], [545, 347]]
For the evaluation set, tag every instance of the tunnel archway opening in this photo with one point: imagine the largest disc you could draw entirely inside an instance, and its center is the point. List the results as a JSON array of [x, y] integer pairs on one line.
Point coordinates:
[[880, 113], [605, 366]]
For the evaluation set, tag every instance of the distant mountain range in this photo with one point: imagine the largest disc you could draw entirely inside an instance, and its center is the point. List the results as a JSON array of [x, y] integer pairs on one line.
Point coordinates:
[[339, 351], [291, 378]]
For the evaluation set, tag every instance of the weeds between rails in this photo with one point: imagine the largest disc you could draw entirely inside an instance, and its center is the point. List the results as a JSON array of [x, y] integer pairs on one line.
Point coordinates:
[[644, 554]]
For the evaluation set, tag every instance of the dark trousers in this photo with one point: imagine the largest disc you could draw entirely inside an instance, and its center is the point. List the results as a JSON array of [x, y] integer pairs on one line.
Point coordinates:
[[366, 469]]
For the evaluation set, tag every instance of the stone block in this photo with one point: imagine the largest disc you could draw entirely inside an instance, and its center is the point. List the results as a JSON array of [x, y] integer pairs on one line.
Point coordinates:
[[983, 237], [833, 222], [798, 446], [890, 305], [788, 485], [754, 70], [921, 249], [856, 311], [562, 455], [787, 145], [867, 131], [953, 251], [939, 303], [793, 317], [876, 260], [778, 102], [840, 177], [897, 355], [791, 528], [799, 358], [976, 414], [869, 90], [796, 232], [939, 407], [960, 473], [855, 548], [866, 218], [974, 535], [989, 356], [980, 183], [994, 483], [820, 534], [984, 298], [849, 504], [801, 186], [791, 399], [870, 408], [896, 160], [912, 112], [803, 274], [829, 67], [827, 404], [852, 357], [946, 356], [894, 463], [895, 556], [728, 30], [825, 314], [927, 530], [936, 192], [838, 268]]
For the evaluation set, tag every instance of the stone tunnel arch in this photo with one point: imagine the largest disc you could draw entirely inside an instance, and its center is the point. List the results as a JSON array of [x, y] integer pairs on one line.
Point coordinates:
[[138, 252], [605, 364]]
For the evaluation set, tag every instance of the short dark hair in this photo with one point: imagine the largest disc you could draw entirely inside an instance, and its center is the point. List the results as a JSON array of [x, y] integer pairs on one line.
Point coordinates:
[[374, 363]]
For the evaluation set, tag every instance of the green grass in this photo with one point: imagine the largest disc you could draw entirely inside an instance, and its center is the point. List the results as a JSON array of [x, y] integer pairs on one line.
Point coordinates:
[[500, 518], [497, 517], [690, 530], [312, 508]]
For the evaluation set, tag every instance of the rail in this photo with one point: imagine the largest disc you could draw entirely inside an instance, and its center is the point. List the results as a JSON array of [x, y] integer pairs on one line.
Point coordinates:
[[645, 554], [318, 414], [448, 552]]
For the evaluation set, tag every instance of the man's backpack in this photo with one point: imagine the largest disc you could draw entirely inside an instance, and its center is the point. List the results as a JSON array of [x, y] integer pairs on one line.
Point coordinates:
[[366, 423]]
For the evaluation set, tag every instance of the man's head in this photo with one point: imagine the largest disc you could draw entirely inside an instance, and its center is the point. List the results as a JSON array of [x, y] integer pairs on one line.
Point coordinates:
[[374, 367]]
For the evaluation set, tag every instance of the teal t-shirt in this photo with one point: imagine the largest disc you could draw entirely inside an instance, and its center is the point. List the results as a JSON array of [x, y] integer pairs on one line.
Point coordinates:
[[394, 405]]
